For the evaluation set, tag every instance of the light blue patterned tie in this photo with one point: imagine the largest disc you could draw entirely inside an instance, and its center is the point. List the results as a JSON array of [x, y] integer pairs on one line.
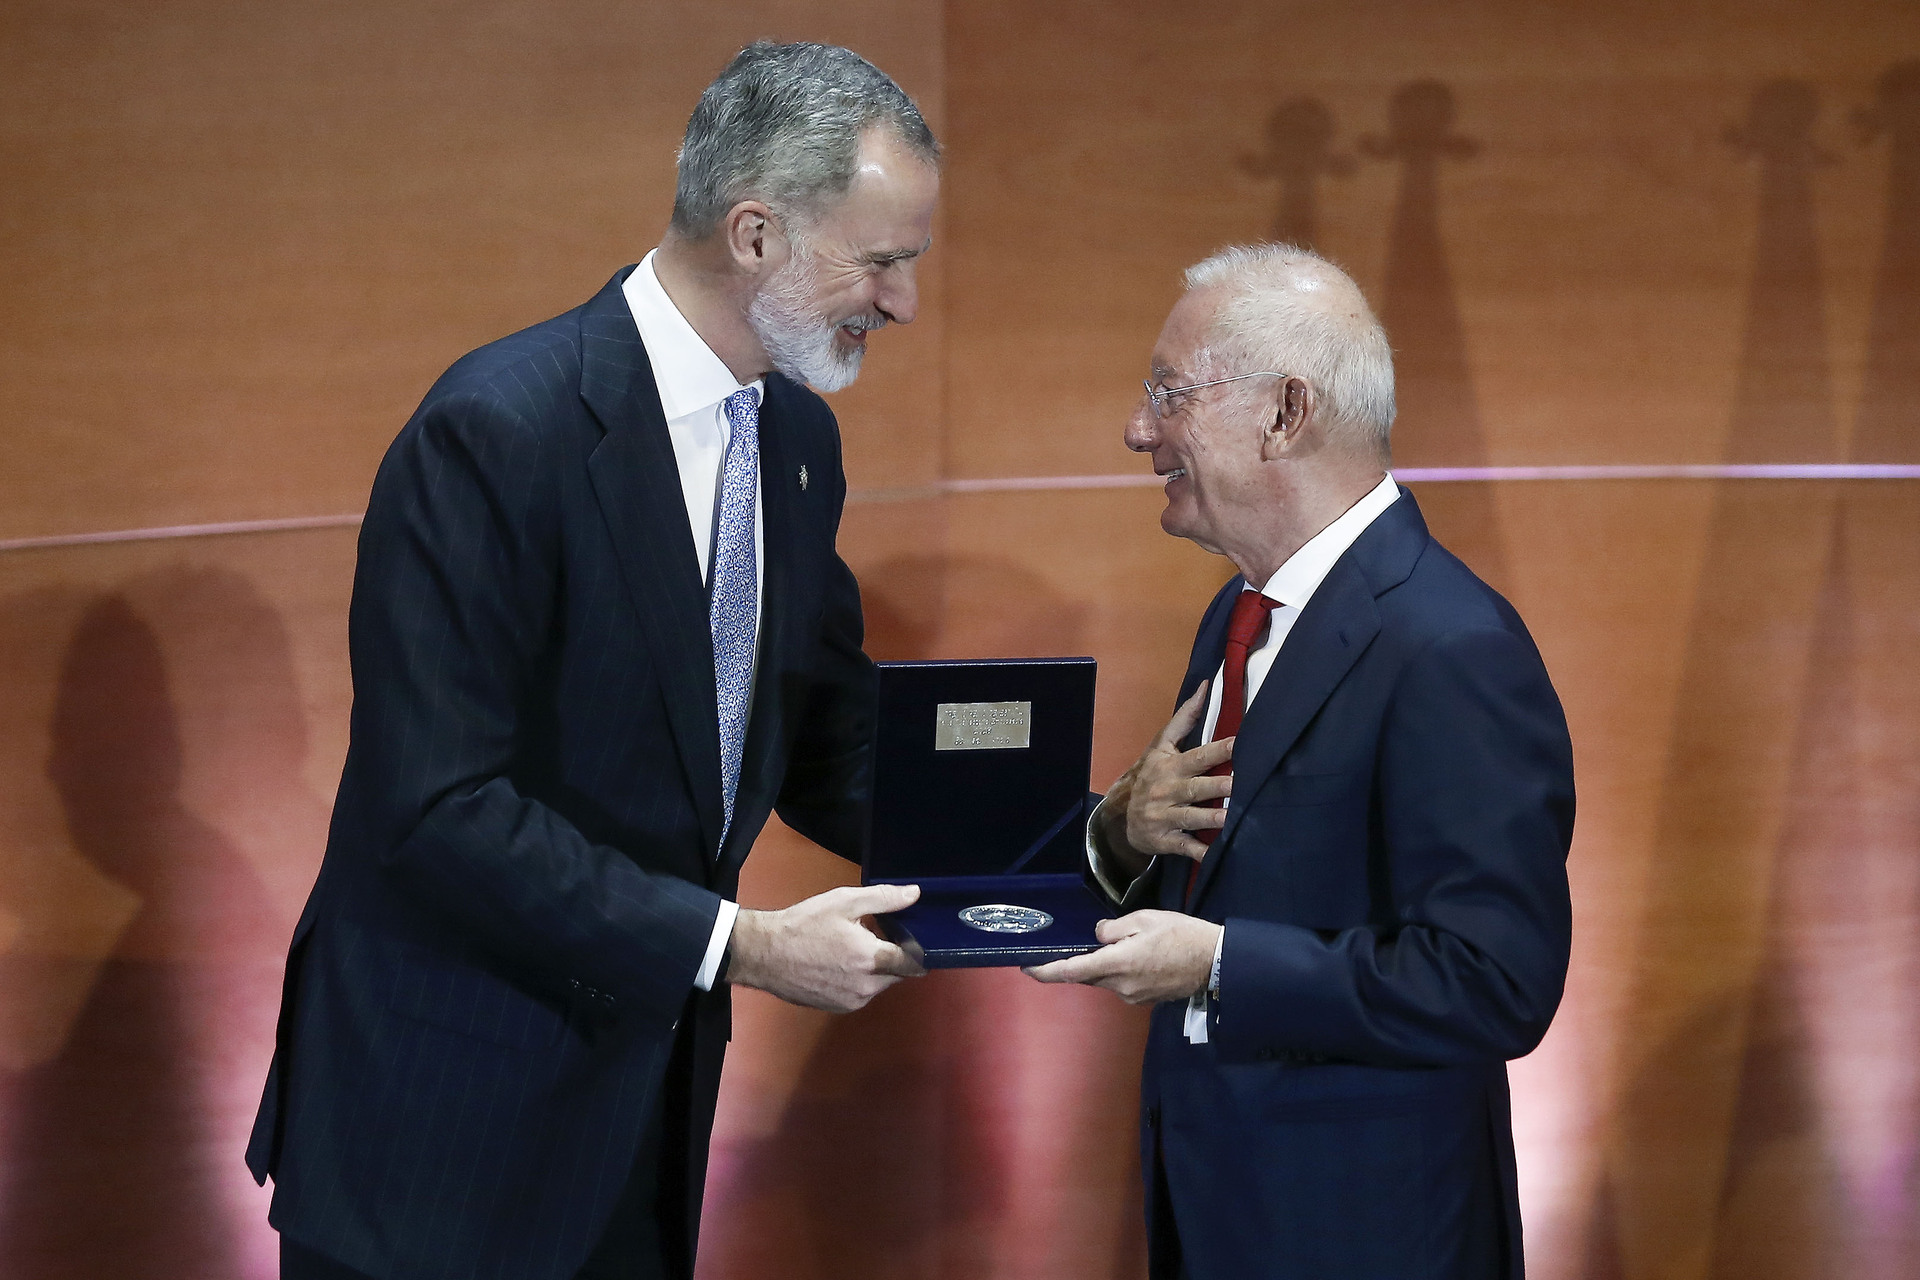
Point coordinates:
[[732, 603]]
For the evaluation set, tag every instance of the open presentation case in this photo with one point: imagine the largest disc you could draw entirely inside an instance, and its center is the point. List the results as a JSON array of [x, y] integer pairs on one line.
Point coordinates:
[[980, 798]]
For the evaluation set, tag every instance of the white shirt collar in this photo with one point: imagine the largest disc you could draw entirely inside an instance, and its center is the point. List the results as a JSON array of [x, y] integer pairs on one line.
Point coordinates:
[[1305, 569], [690, 376]]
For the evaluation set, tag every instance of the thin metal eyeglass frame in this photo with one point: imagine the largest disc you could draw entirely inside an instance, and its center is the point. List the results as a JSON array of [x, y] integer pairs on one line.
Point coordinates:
[[1158, 399]]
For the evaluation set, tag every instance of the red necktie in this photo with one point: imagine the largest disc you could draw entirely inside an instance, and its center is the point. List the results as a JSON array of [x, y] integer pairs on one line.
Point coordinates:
[[1248, 620]]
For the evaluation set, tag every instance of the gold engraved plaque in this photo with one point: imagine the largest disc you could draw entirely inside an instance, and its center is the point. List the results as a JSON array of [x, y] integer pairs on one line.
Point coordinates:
[[982, 726]]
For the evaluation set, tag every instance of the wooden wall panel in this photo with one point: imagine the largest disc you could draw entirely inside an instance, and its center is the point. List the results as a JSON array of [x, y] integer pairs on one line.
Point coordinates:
[[1598, 235], [175, 720], [241, 241], [1594, 213]]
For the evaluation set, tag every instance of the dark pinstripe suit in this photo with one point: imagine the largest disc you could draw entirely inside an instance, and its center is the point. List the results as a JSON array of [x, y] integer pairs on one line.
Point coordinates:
[[521, 877]]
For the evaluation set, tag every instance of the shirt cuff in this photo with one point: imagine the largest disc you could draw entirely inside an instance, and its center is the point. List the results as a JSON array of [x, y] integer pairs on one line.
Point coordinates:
[[1195, 1023], [723, 933], [1097, 857]]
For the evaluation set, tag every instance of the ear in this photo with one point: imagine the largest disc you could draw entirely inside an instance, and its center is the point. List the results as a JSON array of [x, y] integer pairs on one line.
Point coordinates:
[[1285, 435], [754, 239]]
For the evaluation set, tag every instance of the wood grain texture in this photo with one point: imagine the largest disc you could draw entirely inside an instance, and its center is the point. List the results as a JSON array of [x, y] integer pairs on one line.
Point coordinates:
[[240, 241]]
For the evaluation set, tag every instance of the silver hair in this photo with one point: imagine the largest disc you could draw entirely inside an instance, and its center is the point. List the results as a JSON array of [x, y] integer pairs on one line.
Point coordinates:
[[782, 124], [1292, 311]]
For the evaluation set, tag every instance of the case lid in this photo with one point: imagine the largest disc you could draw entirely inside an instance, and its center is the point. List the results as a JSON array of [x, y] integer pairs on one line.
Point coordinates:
[[980, 768]]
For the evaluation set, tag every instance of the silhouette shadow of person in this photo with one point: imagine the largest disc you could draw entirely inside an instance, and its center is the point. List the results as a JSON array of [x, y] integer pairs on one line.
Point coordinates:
[[120, 1154], [1888, 427], [1783, 407], [1299, 153], [1878, 879], [1719, 1110], [1438, 423]]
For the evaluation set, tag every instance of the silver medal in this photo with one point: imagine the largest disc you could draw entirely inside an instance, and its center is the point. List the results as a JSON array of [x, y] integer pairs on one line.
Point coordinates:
[[997, 917]]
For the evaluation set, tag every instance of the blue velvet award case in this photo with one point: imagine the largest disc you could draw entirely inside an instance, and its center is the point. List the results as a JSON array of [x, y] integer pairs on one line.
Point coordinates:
[[980, 798]]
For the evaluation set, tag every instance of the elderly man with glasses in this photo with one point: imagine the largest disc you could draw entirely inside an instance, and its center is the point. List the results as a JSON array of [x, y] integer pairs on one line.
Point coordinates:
[[1343, 861]]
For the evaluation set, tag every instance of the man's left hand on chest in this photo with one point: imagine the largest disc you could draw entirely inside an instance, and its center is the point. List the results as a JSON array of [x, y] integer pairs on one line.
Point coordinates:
[[1149, 956]]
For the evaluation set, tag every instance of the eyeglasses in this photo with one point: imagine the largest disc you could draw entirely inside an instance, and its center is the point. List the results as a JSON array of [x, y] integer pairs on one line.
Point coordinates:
[[1161, 398]]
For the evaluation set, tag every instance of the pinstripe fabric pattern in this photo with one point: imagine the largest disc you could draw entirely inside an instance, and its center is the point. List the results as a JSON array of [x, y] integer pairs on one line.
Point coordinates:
[[526, 854]]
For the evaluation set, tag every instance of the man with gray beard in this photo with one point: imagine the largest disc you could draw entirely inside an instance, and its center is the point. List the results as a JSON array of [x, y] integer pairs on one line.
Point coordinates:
[[599, 632]]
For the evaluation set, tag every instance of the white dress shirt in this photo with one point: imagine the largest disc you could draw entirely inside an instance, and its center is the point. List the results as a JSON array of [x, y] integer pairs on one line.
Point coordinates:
[[1293, 584], [694, 384]]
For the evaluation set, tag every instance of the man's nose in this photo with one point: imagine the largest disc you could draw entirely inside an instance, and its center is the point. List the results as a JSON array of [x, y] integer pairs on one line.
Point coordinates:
[[899, 297], [1142, 431]]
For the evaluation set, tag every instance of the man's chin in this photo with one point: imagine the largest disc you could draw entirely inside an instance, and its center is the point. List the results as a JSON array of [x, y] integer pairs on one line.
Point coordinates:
[[838, 374], [1185, 524], [823, 367]]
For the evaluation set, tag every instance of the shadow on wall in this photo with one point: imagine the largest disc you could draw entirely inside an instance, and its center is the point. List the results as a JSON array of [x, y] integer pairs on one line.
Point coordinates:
[[1857, 934], [923, 1091], [1769, 1126], [1707, 1058], [1888, 428], [1299, 153], [1783, 404], [1821, 1153], [1438, 419], [904, 601], [124, 1158]]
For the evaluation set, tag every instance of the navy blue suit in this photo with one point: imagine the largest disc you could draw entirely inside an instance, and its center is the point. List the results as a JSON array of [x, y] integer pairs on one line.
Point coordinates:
[[496, 965], [1392, 877]]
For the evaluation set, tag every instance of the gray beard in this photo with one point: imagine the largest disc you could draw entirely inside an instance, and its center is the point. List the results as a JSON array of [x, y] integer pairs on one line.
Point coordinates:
[[797, 338]]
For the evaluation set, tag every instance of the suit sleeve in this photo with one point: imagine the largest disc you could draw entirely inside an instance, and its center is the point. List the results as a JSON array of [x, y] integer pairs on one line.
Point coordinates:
[[1149, 888], [827, 793], [1475, 806], [453, 605]]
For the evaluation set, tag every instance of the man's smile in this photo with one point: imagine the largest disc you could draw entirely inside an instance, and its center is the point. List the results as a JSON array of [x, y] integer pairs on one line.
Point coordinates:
[[854, 332]]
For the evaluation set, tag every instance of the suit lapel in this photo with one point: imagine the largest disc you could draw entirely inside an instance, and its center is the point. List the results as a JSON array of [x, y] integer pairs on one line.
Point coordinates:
[[1209, 650], [1336, 627], [637, 484]]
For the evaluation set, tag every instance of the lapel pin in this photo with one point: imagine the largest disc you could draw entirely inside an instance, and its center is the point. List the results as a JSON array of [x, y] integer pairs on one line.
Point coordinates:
[[803, 477]]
